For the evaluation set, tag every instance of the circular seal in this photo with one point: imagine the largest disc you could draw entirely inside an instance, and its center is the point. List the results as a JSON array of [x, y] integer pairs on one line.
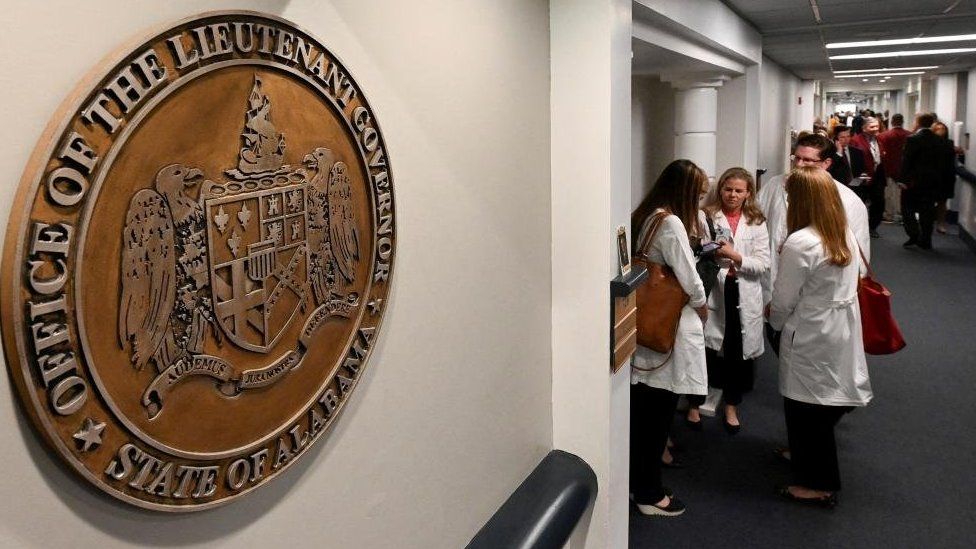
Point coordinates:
[[198, 260]]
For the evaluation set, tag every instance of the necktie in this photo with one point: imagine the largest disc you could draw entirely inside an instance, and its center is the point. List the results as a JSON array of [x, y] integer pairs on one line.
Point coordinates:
[[850, 170]]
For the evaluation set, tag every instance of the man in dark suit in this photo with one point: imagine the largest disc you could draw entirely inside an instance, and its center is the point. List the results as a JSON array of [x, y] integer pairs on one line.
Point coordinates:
[[848, 162], [857, 123], [924, 167], [873, 191]]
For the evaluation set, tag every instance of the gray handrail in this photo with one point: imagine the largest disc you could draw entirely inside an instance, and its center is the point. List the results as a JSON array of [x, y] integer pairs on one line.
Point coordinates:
[[544, 509]]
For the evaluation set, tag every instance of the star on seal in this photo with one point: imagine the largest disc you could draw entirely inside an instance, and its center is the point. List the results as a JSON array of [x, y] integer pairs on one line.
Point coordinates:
[[90, 434], [375, 306]]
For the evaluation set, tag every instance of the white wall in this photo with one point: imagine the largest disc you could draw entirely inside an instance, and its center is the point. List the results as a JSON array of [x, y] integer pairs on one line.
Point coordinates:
[[926, 95], [737, 138], [455, 407], [652, 132], [965, 200], [804, 102], [780, 90], [590, 161]]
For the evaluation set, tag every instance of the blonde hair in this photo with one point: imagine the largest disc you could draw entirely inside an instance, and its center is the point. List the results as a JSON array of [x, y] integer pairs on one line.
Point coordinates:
[[815, 203], [750, 209]]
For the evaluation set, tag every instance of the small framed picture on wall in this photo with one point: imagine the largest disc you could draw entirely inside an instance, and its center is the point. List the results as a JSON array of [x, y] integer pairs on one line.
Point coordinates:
[[623, 250]]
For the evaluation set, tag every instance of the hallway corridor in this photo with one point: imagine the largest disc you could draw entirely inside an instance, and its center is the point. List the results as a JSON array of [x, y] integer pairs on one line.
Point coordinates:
[[906, 459]]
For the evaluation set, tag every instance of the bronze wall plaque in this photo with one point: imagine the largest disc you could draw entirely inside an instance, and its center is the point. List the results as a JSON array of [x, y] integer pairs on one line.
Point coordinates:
[[198, 259]]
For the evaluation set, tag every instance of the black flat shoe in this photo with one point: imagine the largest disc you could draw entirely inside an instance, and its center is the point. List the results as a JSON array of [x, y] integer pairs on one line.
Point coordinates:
[[783, 453], [910, 242], [694, 425], [731, 429], [826, 502], [674, 508]]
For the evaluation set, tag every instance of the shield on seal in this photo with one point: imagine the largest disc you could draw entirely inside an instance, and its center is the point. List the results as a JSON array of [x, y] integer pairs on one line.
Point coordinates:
[[257, 233]]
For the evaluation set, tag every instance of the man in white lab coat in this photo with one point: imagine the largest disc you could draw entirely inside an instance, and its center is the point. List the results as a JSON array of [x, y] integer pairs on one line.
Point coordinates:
[[810, 150]]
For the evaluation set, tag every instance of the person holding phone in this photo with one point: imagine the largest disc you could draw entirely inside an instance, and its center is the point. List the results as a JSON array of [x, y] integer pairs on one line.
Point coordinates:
[[734, 330], [657, 379]]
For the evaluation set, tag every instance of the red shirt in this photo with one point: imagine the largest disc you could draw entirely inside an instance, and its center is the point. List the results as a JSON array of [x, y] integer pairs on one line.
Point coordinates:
[[892, 146], [733, 219]]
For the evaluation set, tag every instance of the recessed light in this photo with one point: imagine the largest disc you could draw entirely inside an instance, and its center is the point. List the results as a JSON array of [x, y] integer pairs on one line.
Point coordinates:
[[877, 75], [905, 53], [893, 69], [865, 80], [900, 41]]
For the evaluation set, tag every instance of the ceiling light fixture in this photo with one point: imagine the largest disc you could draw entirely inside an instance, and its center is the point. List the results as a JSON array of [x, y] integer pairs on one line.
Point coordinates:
[[905, 53], [877, 75], [865, 80], [891, 69], [902, 41]]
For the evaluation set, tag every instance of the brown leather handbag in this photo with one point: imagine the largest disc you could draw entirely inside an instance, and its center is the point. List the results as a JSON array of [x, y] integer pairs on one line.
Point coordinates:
[[659, 299]]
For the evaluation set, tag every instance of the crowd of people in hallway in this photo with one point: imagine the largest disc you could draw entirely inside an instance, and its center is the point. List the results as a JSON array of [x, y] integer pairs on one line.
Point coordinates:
[[778, 265], [904, 177]]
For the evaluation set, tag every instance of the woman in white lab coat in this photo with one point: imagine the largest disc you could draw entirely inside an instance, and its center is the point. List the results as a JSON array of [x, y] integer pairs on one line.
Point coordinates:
[[822, 370], [657, 379], [734, 330]]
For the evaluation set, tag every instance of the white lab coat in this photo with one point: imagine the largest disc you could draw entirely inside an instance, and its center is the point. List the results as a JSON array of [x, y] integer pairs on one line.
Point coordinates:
[[772, 201], [685, 372], [752, 242], [821, 357]]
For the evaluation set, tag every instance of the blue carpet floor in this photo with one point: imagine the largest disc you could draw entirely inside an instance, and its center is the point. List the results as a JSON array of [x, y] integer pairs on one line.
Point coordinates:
[[908, 460]]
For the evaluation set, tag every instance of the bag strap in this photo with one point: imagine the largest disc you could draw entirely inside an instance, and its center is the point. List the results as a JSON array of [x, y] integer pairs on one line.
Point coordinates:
[[656, 219], [655, 368], [711, 226], [866, 264]]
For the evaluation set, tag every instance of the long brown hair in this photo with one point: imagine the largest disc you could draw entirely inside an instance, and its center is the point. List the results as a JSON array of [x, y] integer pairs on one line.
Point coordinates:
[[815, 202], [750, 209], [675, 191]]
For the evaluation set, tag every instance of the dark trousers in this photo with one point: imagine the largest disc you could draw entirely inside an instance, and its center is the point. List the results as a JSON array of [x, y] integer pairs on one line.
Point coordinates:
[[813, 449], [873, 196], [876, 199], [923, 205], [729, 372], [651, 411]]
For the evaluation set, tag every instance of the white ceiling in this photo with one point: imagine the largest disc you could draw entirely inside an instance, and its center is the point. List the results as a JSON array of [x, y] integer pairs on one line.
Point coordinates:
[[793, 38]]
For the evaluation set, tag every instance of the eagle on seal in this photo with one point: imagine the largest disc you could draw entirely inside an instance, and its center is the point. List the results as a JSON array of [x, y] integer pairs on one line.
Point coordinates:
[[331, 216], [165, 304]]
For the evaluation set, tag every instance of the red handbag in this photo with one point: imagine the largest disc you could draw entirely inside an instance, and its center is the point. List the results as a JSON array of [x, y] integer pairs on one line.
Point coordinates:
[[881, 333]]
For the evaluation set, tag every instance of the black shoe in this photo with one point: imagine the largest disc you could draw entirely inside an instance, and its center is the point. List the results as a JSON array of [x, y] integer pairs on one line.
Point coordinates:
[[731, 429], [909, 243], [694, 425], [875, 234], [674, 508], [827, 502], [783, 453]]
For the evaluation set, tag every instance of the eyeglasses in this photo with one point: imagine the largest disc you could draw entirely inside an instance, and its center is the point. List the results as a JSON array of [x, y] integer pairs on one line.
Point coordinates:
[[801, 161]]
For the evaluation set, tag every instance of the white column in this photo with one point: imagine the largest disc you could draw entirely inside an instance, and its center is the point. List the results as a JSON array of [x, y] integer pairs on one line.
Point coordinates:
[[696, 120], [590, 141], [945, 98]]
